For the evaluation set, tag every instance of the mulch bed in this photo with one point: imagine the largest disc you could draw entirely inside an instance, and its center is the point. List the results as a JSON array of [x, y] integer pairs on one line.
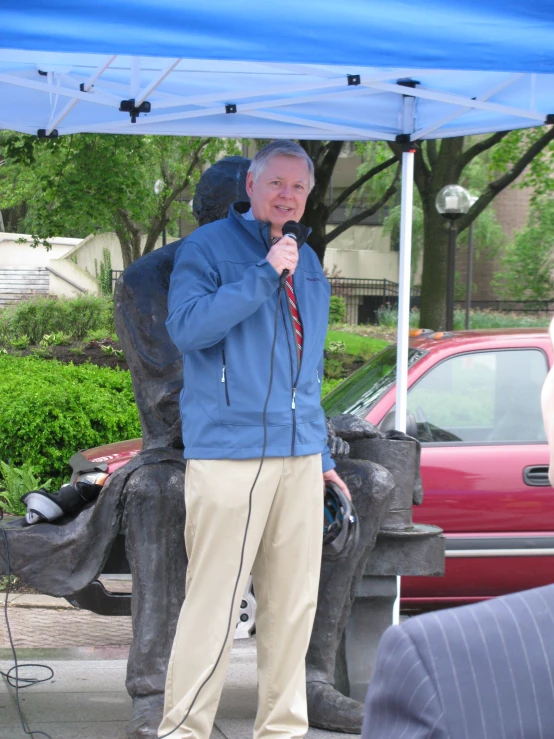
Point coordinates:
[[79, 353]]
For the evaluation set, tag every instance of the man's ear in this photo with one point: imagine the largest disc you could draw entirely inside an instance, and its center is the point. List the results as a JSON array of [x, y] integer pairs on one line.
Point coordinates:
[[249, 184]]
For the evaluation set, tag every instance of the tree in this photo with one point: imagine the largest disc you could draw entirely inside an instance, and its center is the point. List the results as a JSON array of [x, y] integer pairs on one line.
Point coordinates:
[[488, 237], [440, 163], [527, 265], [375, 170], [87, 182]]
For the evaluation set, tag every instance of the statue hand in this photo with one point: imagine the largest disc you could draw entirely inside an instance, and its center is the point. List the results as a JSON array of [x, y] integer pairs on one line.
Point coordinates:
[[351, 428]]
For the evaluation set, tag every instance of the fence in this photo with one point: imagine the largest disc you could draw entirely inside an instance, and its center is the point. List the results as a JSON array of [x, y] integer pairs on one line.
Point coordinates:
[[363, 298]]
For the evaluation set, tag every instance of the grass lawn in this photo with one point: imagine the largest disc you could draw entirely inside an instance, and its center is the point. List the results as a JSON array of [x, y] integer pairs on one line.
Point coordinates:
[[345, 351], [363, 346]]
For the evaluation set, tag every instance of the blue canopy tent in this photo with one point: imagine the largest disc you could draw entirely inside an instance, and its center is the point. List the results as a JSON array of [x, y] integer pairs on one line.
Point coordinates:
[[360, 70]]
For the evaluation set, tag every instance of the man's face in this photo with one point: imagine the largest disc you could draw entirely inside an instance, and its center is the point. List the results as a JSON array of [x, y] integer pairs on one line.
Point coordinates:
[[280, 192]]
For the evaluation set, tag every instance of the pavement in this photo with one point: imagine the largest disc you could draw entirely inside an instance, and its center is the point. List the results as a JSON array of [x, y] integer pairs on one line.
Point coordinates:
[[86, 698]]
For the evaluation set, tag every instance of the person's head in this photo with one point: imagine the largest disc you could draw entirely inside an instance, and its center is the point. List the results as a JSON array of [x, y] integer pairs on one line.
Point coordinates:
[[278, 183]]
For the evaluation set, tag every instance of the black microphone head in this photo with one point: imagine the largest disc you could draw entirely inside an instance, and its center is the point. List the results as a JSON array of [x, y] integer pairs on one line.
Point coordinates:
[[293, 229]]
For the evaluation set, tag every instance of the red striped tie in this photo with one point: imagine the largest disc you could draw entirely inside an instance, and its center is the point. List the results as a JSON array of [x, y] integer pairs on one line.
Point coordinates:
[[295, 314], [297, 323]]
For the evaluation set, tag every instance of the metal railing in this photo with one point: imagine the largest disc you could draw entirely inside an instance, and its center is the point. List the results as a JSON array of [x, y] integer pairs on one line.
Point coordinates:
[[363, 298]]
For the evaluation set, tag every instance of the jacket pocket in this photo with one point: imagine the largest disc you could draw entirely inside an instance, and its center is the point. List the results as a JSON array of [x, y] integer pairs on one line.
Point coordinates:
[[224, 377]]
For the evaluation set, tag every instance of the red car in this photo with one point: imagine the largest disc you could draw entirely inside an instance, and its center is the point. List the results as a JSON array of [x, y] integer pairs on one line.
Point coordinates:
[[474, 403]]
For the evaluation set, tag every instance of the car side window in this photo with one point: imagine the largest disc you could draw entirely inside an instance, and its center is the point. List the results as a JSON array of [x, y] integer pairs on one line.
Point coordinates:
[[481, 397]]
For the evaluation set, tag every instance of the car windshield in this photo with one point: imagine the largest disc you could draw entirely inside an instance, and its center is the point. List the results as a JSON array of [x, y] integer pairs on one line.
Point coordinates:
[[359, 392]]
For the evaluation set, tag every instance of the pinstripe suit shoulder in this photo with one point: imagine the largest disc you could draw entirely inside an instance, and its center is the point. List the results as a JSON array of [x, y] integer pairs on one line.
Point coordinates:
[[478, 672]]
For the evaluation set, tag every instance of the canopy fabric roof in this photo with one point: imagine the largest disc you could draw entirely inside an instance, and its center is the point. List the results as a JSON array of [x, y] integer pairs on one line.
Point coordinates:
[[316, 69]]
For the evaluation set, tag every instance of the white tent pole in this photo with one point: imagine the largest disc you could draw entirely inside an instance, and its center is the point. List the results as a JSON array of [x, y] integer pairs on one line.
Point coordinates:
[[404, 270], [404, 288]]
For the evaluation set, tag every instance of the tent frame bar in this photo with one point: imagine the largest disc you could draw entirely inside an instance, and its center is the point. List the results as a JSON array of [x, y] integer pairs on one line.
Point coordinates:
[[86, 88]]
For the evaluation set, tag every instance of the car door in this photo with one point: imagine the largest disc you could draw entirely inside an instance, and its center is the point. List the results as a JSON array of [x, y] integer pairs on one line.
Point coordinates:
[[484, 471]]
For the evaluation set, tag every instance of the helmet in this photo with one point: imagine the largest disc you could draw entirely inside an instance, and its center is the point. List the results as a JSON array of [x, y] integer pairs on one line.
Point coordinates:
[[45, 506], [340, 524]]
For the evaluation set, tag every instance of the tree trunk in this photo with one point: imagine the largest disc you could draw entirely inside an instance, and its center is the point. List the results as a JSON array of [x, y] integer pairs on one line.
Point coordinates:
[[435, 230], [155, 231], [129, 235], [433, 281], [136, 244], [126, 250], [324, 156], [315, 217]]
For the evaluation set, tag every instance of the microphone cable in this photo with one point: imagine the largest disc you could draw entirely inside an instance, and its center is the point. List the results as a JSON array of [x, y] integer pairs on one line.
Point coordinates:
[[17, 682], [264, 421]]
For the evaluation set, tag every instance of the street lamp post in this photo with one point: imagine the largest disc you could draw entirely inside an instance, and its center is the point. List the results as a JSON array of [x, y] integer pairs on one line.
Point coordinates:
[[473, 199], [452, 202]]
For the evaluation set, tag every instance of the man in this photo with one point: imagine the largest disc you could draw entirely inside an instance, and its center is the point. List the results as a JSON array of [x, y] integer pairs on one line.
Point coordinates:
[[254, 437], [484, 671]]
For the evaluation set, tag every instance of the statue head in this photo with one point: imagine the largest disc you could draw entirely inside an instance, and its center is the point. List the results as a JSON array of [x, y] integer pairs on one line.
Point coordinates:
[[221, 185]]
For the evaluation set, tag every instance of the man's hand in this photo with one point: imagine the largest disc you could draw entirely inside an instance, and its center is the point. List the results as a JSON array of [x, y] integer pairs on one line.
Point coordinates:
[[331, 476], [283, 255]]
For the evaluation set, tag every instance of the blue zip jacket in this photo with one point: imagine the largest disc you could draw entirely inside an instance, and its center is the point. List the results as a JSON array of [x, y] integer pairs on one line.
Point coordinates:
[[221, 315]]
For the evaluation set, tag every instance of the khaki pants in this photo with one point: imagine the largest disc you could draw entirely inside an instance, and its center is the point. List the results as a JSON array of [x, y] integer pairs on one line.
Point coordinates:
[[283, 552]]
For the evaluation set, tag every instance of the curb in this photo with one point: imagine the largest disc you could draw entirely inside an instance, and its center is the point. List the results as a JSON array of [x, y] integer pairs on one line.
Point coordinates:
[[38, 601]]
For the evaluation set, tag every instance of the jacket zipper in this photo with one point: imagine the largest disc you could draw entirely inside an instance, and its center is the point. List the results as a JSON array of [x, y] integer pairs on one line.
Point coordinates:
[[224, 378], [298, 360]]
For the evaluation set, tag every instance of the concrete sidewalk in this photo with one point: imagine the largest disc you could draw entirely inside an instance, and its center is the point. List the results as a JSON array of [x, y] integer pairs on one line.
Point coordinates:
[[87, 699]]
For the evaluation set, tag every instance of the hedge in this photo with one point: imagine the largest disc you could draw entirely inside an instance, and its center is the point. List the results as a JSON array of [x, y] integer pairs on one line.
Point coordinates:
[[43, 315], [50, 410]]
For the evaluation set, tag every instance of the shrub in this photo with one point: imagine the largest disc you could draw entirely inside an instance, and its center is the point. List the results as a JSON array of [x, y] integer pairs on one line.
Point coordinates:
[[39, 316], [15, 482], [22, 342], [333, 368], [388, 317], [59, 339], [49, 410], [337, 310], [99, 335], [328, 385], [336, 347], [7, 582], [496, 319], [478, 319]]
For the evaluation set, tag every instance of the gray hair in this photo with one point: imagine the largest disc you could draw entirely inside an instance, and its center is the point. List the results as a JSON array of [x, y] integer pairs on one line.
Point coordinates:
[[283, 148]]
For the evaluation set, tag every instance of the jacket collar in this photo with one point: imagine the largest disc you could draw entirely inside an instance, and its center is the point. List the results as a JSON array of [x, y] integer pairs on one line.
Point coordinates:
[[259, 229]]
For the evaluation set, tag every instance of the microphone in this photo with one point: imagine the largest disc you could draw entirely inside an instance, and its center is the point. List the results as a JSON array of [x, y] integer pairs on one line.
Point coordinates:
[[293, 230]]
